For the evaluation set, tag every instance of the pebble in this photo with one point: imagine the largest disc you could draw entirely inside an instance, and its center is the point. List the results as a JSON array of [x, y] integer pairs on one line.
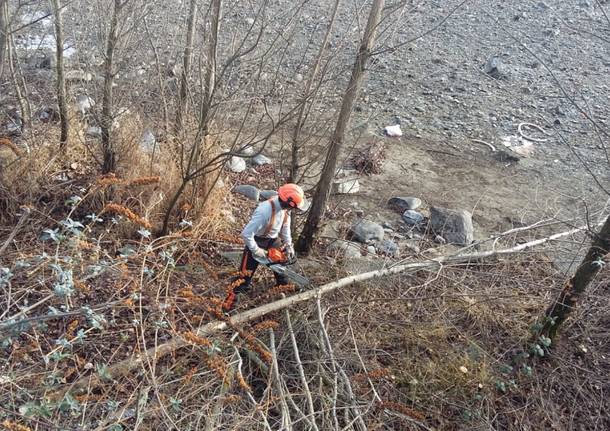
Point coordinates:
[[388, 247], [412, 218]]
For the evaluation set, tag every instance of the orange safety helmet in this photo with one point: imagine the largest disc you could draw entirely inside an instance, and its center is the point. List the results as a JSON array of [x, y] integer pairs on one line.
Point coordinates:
[[293, 195]]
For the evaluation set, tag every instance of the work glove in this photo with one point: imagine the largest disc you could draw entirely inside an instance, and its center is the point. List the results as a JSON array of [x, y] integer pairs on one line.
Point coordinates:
[[260, 253], [290, 254]]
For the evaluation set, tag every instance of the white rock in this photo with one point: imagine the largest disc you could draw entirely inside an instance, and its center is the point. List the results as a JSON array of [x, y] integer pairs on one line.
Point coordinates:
[[249, 21], [393, 131], [94, 132], [236, 164], [346, 187]]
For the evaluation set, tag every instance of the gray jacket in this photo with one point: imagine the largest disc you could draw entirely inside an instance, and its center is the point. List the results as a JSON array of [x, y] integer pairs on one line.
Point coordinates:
[[261, 225]]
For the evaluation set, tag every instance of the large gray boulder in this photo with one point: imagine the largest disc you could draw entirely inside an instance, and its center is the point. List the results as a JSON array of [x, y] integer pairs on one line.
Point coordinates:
[[248, 191], [366, 231], [455, 226]]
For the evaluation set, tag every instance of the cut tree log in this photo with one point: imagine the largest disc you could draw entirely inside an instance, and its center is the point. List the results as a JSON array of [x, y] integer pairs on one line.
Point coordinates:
[[127, 366]]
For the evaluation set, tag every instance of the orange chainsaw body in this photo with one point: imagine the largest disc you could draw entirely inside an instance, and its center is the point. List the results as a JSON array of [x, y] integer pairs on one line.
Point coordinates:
[[276, 255]]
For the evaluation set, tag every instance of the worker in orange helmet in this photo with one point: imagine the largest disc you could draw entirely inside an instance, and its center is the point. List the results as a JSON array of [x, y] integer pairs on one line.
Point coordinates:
[[269, 227]]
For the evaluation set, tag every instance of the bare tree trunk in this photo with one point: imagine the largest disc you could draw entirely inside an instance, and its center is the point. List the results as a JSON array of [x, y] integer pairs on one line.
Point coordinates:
[[210, 72], [159, 79], [186, 67], [294, 162], [19, 83], [205, 109], [305, 241], [61, 82], [109, 163], [573, 290], [3, 34]]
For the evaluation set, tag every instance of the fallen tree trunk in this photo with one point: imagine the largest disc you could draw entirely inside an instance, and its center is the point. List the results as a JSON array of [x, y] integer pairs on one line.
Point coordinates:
[[153, 354]]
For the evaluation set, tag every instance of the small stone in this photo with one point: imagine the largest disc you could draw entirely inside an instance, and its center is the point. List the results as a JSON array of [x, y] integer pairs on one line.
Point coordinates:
[[401, 204], [366, 231], [463, 369], [371, 250], [412, 218], [48, 114], [236, 164], [88, 366], [74, 166], [393, 131], [248, 191], [260, 160], [267, 194], [250, 21], [494, 67], [388, 247], [298, 77]]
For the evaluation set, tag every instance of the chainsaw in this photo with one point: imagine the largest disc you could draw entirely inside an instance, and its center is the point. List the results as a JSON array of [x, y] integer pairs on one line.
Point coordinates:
[[278, 262]]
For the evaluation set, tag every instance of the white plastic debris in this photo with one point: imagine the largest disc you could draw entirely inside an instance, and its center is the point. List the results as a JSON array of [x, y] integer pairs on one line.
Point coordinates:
[[393, 131]]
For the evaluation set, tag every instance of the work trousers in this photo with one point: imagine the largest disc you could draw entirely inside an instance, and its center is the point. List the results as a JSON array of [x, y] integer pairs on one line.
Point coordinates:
[[249, 264]]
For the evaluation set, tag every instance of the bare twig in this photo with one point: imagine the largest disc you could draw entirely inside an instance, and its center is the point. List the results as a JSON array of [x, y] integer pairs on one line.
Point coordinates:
[[297, 356]]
